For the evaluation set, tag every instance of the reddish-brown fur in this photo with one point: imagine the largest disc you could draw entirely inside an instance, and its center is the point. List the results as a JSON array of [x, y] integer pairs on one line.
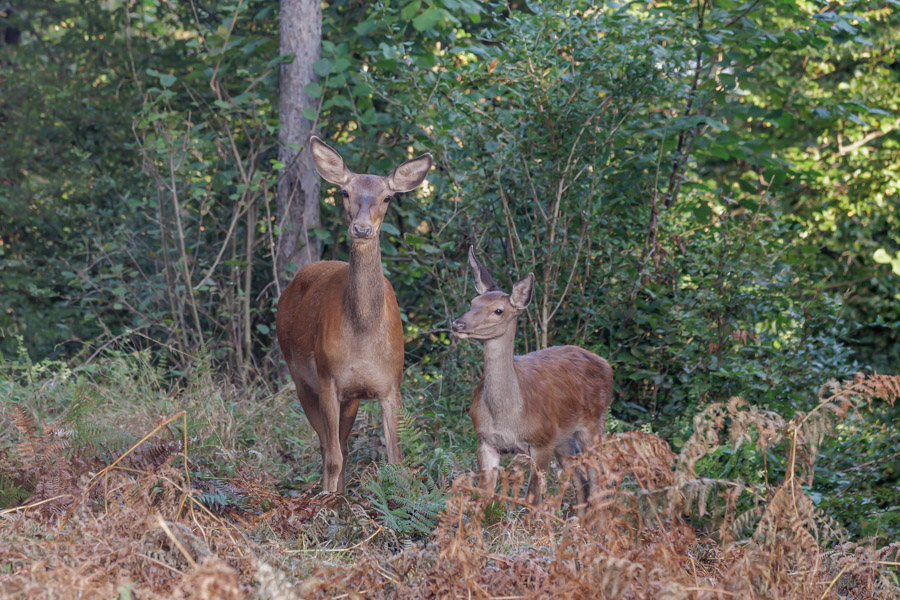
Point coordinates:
[[559, 387], [338, 324], [549, 402]]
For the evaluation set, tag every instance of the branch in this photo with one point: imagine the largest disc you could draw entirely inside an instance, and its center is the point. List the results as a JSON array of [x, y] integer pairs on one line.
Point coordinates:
[[874, 135], [742, 14]]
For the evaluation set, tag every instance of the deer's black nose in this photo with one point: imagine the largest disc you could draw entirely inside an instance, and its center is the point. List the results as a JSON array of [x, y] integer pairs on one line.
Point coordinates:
[[458, 325], [362, 230]]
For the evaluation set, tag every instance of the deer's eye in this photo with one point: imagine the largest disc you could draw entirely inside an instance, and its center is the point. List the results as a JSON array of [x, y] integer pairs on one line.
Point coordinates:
[[345, 194], [499, 311], [389, 198]]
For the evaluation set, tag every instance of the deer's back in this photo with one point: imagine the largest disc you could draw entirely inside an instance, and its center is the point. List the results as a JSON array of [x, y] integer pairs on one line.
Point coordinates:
[[571, 377], [315, 333], [563, 389]]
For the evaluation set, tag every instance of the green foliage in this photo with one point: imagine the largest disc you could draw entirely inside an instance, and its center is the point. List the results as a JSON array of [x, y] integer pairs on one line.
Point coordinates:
[[12, 493], [706, 193], [566, 170], [407, 501], [857, 475], [68, 171], [103, 408]]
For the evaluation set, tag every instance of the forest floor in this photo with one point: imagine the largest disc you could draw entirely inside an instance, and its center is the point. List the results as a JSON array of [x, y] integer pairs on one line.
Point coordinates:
[[116, 487]]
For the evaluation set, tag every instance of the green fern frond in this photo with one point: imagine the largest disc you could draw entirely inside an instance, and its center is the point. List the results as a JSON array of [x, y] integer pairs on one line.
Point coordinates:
[[408, 502]]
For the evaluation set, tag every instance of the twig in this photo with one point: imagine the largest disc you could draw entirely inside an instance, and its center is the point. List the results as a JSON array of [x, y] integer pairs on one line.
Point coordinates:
[[162, 524], [741, 15], [844, 150], [187, 475], [108, 468], [27, 506], [223, 245], [387, 574], [705, 589], [200, 505], [271, 231], [213, 84], [349, 548], [185, 271], [160, 563], [833, 581]]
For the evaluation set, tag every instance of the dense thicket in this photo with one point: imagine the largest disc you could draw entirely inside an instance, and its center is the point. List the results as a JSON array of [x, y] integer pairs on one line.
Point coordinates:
[[706, 191]]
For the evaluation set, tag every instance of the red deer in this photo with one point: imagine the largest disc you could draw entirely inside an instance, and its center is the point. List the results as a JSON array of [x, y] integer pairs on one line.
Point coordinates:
[[338, 324], [552, 401]]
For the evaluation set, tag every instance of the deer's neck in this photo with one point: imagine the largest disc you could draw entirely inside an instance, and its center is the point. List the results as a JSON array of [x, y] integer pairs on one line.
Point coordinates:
[[501, 385], [365, 300]]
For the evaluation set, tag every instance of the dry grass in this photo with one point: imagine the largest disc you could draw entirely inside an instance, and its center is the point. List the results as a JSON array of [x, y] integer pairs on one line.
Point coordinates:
[[139, 526]]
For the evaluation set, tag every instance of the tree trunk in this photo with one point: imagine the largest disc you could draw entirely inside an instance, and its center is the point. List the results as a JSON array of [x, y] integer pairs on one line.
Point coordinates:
[[297, 207]]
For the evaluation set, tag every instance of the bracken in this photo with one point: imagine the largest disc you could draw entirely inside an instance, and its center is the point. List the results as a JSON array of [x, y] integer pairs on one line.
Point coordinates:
[[146, 529]]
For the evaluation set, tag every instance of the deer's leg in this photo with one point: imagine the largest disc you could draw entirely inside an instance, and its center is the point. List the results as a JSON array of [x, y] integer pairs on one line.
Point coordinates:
[[329, 407], [586, 440], [540, 459], [310, 403], [488, 464], [389, 408], [564, 452], [348, 417]]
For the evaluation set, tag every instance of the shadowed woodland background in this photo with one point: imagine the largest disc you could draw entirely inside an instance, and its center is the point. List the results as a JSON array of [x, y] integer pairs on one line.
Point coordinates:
[[706, 191]]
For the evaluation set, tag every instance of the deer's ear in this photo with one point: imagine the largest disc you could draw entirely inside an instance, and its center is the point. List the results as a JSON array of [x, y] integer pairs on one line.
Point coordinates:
[[410, 174], [483, 280], [329, 163], [522, 292]]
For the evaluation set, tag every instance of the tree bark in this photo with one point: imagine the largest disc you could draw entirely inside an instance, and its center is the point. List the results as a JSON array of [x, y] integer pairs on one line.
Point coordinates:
[[297, 204], [297, 207]]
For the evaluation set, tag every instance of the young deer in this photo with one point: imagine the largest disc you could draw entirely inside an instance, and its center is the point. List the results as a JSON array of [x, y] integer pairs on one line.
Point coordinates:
[[551, 401], [339, 325]]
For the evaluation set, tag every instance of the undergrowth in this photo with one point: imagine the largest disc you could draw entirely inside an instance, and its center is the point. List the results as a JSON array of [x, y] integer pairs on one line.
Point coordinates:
[[193, 495]]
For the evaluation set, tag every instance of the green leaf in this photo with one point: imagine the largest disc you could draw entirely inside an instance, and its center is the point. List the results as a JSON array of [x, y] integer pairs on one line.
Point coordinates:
[[882, 257], [337, 81], [471, 7], [702, 212], [322, 234], [166, 80], [313, 89], [337, 100], [410, 10], [389, 228], [322, 67], [366, 27], [428, 19], [339, 66], [368, 117], [362, 90], [310, 113]]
